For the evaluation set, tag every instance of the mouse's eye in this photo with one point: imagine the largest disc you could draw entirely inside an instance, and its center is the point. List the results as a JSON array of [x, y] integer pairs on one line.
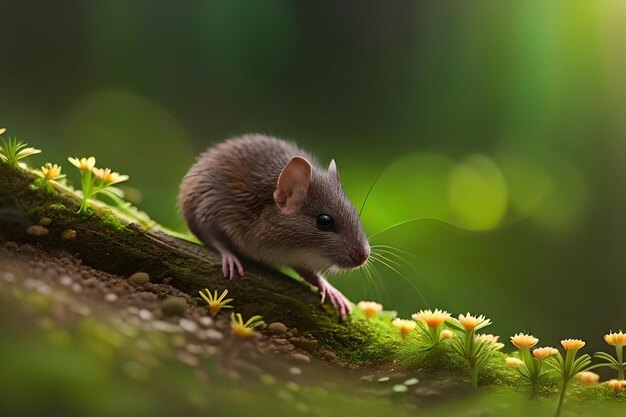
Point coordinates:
[[325, 223]]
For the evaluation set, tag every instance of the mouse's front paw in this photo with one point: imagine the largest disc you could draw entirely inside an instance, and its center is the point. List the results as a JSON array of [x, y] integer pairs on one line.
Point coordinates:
[[337, 299]]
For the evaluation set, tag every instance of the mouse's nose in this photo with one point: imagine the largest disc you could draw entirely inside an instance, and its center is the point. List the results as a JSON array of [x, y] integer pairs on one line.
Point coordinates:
[[360, 256]]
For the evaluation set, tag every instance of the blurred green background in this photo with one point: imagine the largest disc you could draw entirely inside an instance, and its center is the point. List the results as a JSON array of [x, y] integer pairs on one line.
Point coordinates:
[[502, 124]]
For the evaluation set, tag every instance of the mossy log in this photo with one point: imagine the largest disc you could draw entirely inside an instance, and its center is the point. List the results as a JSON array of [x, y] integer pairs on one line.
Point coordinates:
[[103, 241]]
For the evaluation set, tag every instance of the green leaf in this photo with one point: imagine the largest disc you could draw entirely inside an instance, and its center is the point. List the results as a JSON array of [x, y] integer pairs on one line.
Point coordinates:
[[482, 325], [455, 325], [606, 356]]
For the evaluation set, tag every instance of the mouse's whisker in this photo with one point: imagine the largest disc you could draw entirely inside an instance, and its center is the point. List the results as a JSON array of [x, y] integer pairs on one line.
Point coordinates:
[[375, 282], [387, 258], [367, 273], [394, 248], [387, 249], [380, 281], [363, 278], [367, 269], [390, 266], [394, 256], [370, 190]]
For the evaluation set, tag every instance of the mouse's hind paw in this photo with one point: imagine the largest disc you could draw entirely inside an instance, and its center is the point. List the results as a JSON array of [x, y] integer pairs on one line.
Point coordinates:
[[230, 263]]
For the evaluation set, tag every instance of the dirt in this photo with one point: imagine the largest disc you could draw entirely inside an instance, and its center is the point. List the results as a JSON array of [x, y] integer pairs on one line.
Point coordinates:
[[76, 291]]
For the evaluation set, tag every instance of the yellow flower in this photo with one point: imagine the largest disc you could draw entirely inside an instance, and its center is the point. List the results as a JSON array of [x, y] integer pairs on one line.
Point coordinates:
[[446, 334], [2, 130], [433, 319], [216, 303], [489, 338], [524, 341], [51, 171], [572, 344], [471, 322], [370, 308], [109, 177], [544, 352], [513, 363], [588, 377], [84, 164], [615, 339], [405, 326], [616, 385], [245, 330]]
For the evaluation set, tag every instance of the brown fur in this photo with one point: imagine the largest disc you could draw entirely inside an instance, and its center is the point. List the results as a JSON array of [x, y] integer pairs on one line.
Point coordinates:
[[227, 198]]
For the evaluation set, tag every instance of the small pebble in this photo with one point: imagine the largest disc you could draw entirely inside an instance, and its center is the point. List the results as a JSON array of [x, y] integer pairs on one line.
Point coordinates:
[[43, 289], [277, 328], [400, 388], [30, 283], [66, 280], [310, 345], [173, 306], [412, 381], [294, 370], [145, 315], [37, 230], [68, 234], [292, 386], [194, 349], [27, 249], [12, 246], [267, 379], [139, 278], [383, 379], [188, 325], [45, 221], [214, 335], [164, 326], [300, 357], [284, 395], [8, 277], [77, 288], [110, 297], [428, 392], [328, 355], [188, 358], [206, 321]]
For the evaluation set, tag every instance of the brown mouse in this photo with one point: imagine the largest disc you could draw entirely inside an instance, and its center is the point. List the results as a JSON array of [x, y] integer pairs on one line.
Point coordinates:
[[265, 199]]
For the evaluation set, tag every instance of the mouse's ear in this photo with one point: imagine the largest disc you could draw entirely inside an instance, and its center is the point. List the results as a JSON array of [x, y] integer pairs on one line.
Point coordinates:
[[333, 171], [293, 184]]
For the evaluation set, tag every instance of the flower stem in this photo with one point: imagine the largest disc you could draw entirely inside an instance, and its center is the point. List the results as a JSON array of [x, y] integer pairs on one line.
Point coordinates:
[[620, 370], [561, 398], [87, 189], [474, 374]]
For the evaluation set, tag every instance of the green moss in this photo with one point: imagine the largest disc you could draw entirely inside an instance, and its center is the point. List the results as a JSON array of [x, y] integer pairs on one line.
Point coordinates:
[[111, 220]]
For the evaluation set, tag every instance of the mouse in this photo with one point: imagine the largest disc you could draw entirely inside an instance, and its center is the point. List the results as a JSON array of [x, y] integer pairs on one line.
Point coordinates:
[[264, 199]]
